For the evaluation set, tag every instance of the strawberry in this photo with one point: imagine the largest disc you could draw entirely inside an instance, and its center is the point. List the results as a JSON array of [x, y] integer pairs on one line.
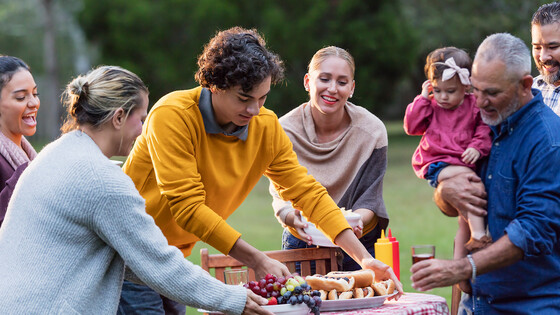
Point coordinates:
[[272, 301]]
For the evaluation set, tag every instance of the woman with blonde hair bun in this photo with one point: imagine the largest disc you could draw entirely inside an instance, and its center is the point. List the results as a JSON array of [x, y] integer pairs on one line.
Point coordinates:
[[75, 219]]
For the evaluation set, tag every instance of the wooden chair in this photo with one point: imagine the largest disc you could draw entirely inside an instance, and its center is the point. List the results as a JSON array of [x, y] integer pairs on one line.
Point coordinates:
[[455, 295], [326, 260], [455, 299]]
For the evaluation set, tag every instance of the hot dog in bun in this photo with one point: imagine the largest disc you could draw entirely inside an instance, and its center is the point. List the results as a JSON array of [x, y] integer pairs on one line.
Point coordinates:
[[328, 283], [364, 292], [335, 295], [384, 287], [362, 278]]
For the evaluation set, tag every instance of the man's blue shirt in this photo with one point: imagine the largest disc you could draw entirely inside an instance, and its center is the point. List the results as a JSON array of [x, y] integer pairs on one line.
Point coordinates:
[[522, 178]]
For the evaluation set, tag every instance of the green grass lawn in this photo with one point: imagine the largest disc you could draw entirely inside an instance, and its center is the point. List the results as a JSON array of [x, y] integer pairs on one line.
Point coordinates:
[[414, 218]]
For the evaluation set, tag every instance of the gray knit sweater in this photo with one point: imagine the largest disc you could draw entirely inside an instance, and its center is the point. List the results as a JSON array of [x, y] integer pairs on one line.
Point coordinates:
[[73, 222]]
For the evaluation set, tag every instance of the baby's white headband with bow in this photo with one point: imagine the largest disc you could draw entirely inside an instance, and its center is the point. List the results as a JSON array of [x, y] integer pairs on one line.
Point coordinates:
[[453, 69]]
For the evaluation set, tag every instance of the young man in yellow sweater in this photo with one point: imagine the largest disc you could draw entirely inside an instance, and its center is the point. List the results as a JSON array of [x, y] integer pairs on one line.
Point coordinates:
[[203, 150]]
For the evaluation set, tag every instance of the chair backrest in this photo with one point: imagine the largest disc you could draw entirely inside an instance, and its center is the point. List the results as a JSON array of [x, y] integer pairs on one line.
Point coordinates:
[[325, 258]]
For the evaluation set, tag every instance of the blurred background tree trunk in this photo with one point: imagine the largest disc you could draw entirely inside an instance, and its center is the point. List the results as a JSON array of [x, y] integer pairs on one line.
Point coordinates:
[[49, 118]]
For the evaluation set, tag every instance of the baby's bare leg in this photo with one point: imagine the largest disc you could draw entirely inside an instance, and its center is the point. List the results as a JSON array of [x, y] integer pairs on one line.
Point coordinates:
[[477, 226], [451, 171], [476, 223]]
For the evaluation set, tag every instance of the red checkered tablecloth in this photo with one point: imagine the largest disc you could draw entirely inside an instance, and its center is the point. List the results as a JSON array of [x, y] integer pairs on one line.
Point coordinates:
[[408, 304]]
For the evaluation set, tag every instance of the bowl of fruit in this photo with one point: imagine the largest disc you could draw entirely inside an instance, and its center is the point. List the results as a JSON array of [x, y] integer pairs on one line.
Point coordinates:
[[287, 295]]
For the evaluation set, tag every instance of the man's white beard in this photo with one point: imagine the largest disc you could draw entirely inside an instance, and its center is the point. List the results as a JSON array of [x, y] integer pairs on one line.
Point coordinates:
[[504, 114]]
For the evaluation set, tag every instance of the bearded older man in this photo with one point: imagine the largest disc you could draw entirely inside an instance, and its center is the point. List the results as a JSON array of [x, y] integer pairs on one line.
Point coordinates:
[[545, 33], [520, 271]]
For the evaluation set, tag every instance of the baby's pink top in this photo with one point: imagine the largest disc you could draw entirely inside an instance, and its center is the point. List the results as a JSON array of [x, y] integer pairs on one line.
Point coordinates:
[[446, 133]]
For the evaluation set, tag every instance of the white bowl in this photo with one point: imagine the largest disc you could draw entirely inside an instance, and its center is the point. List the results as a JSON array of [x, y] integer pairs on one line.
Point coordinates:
[[280, 309], [320, 239]]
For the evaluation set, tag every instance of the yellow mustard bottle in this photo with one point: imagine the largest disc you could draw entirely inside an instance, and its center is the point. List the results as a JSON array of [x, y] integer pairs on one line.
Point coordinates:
[[384, 250]]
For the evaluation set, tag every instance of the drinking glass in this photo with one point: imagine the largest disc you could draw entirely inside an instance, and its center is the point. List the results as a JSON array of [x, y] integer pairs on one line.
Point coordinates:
[[422, 252], [235, 276]]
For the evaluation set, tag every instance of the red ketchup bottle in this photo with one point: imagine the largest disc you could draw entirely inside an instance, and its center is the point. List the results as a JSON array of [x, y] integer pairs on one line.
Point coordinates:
[[396, 261]]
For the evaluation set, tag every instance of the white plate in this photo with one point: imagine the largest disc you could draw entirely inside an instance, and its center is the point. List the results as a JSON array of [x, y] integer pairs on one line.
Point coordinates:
[[353, 304], [287, 309], [319, 239]]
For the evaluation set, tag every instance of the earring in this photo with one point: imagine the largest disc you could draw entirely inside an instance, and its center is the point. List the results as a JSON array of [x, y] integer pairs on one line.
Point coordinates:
[[351, 95], [307, 89]]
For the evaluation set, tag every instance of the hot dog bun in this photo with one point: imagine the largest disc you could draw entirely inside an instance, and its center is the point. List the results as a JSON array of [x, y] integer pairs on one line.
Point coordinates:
[[364, 292], [358, 293], [368, 292], [333, 295], [328, 283], [384, 287], [345, 295], [362, 278]]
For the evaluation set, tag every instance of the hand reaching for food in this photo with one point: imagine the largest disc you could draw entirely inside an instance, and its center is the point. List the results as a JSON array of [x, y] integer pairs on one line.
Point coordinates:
[[383, 272], [253, 304], [271, 266]]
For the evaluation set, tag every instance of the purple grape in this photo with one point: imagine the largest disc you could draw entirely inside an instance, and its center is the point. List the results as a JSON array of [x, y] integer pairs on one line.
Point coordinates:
[[311, 303], [318, 301], [293, 300], [315, 310]]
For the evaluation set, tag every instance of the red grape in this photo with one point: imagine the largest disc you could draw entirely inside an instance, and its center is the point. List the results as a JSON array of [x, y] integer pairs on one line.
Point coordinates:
[[269, 287]]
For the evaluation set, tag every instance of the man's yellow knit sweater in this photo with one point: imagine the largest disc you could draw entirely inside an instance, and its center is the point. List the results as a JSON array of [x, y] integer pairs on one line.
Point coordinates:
[[193, 181]]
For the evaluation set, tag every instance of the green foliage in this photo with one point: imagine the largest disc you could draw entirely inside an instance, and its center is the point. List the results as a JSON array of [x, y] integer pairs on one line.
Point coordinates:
[[18, 33], [160, 40], [465, 24]]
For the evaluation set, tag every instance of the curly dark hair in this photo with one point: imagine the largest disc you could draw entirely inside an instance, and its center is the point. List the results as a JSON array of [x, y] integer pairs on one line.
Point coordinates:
[[434, 67], [237, 56]]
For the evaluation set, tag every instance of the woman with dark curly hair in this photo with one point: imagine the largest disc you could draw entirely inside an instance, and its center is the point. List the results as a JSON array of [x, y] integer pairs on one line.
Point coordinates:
[[202, 150]]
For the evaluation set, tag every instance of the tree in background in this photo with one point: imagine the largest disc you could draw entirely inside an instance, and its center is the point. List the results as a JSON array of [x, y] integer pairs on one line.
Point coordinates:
[[51, 68], [45, 35], [463, 24], [160, 40]]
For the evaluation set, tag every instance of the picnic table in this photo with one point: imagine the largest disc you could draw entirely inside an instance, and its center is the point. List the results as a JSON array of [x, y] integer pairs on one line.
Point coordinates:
[[408, 304]]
